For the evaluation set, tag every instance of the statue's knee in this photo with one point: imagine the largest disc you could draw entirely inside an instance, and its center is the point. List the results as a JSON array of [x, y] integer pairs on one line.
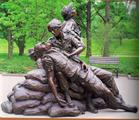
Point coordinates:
[[106, 92], [109, 76]]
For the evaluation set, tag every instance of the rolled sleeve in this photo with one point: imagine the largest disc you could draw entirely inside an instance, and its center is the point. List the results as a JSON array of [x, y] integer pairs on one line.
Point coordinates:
[[48, 63], [76, 43]]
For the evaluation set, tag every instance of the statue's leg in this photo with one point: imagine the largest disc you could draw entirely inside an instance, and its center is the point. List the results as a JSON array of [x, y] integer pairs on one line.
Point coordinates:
[[107, 78], [94, 84]]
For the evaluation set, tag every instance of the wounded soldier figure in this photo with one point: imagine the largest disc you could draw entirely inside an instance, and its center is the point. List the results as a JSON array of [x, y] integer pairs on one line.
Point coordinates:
[[53, 60], [72, 47]]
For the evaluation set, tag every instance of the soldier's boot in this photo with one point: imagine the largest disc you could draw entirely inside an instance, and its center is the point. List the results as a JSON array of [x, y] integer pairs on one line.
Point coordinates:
[[89, 104], [128, 108], [116, 104], [101, 90]]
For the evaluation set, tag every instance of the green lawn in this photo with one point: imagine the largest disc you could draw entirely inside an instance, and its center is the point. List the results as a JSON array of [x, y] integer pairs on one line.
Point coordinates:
[[129, 47], [128, 52], [19, 64]]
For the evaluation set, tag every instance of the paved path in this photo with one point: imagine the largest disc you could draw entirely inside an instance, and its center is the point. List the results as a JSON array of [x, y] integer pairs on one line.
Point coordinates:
[[128, 88]]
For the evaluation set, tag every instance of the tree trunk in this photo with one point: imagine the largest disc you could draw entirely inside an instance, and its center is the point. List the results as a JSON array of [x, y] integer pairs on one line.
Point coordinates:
[[88, 29], [21, 45], [121, 40], [10, 43], [106, 41], [106, 33]]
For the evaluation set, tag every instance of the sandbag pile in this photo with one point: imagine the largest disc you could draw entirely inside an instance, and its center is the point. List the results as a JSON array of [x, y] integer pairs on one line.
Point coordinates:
[[34, 97]]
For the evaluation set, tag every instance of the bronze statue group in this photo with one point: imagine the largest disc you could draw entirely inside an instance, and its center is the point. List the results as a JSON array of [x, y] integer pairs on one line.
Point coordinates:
[[63, 85]]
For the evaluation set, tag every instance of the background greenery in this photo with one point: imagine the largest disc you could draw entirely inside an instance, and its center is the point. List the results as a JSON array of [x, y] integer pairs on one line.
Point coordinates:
[[24, 23]]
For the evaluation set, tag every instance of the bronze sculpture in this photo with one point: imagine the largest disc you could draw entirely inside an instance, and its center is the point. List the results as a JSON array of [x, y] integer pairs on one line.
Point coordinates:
[[53, 58], [59, 85]]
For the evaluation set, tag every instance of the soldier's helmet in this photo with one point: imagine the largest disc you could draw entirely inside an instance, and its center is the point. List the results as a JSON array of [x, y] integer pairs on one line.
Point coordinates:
[[68, 12], [32, 54], [54, 24]]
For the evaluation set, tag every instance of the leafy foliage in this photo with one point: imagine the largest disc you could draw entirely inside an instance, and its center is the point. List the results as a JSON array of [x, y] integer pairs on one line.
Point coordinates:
[[28, 19]]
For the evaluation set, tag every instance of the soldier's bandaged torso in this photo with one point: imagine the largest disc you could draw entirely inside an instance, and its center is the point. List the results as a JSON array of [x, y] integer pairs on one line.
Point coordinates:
[[56, 60]]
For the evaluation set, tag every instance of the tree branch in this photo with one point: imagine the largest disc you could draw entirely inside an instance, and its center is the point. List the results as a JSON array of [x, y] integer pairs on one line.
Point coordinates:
[[114, 25], [103, 18]]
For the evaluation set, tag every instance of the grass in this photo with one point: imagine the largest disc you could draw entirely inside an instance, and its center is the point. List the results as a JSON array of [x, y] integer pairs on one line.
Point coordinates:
[[128, 52], [129, 47], [19, 64], [129, 65]]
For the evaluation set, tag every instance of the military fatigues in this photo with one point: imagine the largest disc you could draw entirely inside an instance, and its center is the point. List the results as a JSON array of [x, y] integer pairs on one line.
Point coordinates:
[[68, 43], [107, 78], [71, 41], [55, 60]]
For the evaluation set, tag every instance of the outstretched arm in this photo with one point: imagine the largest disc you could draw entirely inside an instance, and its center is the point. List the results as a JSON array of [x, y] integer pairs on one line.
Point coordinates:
[[49, 68], [53, 88]]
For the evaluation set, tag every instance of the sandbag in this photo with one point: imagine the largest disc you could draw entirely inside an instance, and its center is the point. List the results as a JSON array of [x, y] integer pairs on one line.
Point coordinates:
[[38, 74], [57, 111], [36, 85], [9, 95], [16, 86], [20, 106], [51, 98], [7, 107], [22, 93], [12, 99], [81, 105], [99, 103], [39, 110]]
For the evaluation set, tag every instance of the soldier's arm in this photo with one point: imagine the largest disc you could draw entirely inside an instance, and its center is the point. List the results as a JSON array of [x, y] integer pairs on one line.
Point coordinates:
[[53, 88], [51, 83], [48, 66], [78, 45]]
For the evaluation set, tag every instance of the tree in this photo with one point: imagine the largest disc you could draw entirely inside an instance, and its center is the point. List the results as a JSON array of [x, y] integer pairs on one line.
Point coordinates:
[[7, 24], [84, 19], [88, 28], [106, 22], [112, 20]]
